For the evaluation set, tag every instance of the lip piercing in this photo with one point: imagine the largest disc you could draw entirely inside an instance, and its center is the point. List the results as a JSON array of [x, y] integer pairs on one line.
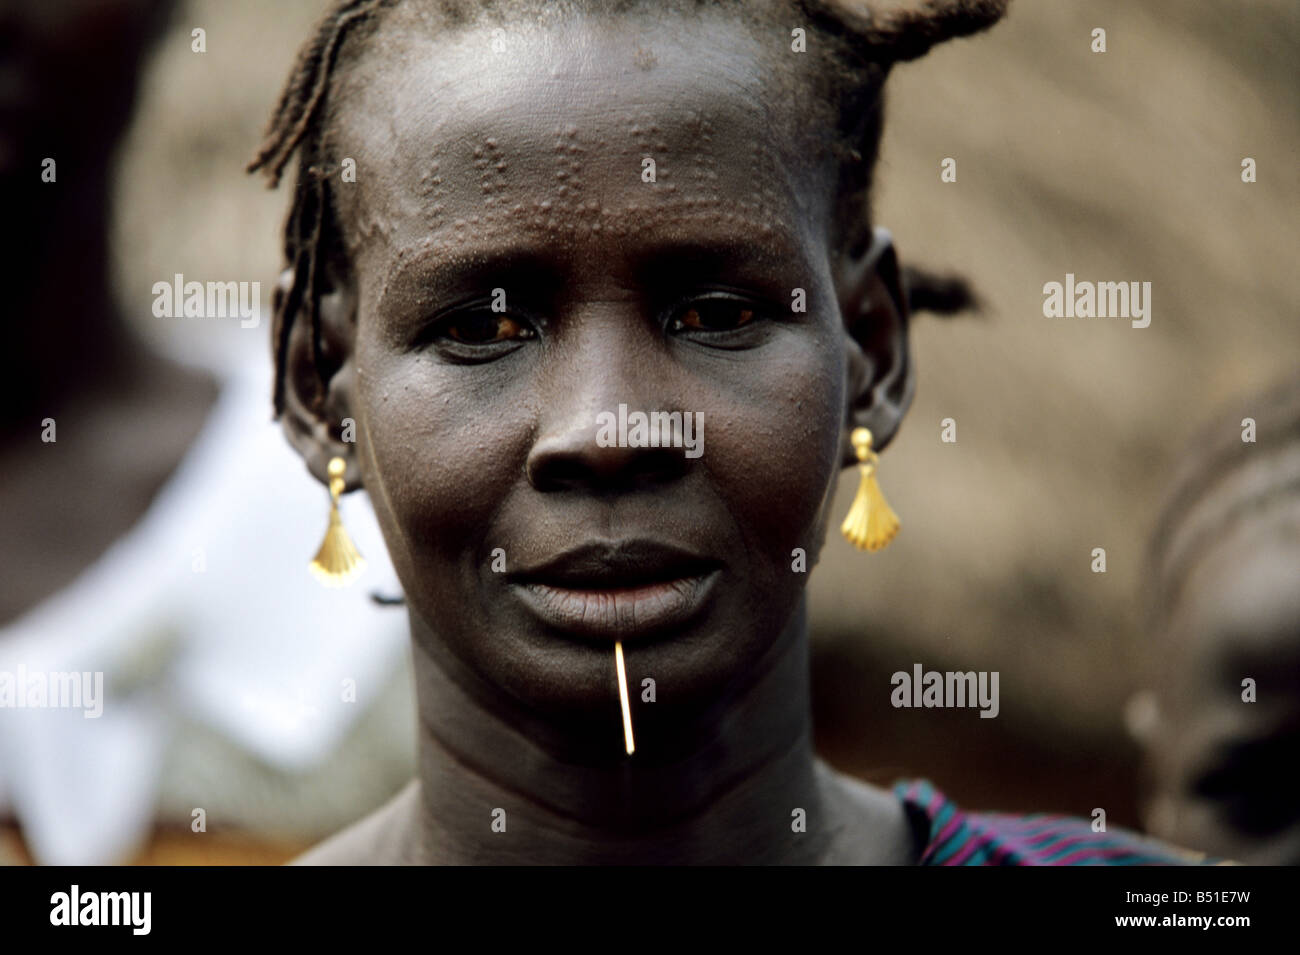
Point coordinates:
[[622, 697]]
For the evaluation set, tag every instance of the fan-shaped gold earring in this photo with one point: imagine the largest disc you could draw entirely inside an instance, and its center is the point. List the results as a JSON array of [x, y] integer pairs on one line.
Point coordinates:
[[337, 562], [871, 523]]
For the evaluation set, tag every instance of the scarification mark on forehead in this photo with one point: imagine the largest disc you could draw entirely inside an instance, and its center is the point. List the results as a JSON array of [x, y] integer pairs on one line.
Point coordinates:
[[683, 179], [704, 176]]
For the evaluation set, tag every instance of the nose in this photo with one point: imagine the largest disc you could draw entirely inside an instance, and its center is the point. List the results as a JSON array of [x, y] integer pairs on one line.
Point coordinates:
[[575, 460], [580, 445]]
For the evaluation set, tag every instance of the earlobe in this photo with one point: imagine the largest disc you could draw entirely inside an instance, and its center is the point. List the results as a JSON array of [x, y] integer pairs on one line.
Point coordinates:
[[318, 383], [881, 377]]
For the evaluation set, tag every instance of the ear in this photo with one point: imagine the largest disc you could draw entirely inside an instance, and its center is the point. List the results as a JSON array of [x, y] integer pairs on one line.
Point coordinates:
[[881, 376], [319, 384]]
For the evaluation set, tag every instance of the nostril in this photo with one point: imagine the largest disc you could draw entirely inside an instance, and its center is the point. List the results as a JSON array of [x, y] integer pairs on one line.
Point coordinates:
[[585, 464]]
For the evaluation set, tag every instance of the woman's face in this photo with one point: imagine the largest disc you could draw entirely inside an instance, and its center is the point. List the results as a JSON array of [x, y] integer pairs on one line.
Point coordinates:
[[519, 179]]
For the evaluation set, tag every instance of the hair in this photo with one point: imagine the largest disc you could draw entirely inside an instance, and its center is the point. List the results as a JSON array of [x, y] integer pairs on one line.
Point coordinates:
[[1204, 502], [864, 44]]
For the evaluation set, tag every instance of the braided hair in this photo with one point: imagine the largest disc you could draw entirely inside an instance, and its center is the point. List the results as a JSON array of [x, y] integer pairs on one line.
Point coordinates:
[[863, 44]]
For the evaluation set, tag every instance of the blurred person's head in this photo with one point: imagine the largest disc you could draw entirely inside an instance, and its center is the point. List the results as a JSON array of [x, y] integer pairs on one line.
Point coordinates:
[[68, 76], [1220, 722], [68, 71]]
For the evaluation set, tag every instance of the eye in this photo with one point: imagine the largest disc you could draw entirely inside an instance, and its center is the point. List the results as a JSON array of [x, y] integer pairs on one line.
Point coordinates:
[[713, 315], [485, 328], [475, 333]]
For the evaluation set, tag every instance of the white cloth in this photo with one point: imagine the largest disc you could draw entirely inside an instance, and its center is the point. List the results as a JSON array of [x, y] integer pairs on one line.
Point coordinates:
[[204, 612]]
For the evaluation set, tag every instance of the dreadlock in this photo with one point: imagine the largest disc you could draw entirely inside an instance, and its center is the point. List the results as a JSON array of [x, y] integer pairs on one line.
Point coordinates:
[[865, 45]]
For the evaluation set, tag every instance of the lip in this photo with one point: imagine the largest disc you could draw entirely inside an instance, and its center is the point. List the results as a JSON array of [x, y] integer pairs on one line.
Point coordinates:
[[618, 590]]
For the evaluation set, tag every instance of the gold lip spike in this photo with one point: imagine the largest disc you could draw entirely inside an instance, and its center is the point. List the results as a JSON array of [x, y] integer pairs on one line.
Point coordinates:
[[622, 697], [871, 522], [337, 562]]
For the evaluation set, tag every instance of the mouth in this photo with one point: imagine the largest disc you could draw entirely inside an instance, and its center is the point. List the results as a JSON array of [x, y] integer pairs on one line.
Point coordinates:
[[623, 590]]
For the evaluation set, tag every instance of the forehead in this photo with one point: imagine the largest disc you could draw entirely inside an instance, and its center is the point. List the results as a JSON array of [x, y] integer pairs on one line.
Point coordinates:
[[493, 135]]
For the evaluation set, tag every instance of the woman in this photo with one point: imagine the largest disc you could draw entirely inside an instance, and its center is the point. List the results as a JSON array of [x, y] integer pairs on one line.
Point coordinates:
[[514, 222]]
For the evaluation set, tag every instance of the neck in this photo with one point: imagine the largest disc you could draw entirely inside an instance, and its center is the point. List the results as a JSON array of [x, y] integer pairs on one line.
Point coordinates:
[[726, 796]]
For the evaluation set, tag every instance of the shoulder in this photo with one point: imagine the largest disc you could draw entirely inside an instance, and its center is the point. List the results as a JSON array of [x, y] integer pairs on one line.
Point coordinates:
[[385, 837], [958, 837], [868, 825]]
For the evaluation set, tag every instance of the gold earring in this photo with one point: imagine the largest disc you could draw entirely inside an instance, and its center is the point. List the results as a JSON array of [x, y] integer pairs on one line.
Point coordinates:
[[871, 523], [337, 562]]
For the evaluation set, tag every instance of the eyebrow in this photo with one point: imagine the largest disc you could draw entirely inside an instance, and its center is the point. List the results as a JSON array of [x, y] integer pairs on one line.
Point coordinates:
[[692, 257], [676, 257]]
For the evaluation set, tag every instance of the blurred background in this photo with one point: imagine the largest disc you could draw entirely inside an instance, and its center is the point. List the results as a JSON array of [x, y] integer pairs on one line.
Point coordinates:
[[1122, 166]]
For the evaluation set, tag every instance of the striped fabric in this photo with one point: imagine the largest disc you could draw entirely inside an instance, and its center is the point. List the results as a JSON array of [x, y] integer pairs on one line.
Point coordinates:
[[957, 837]]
